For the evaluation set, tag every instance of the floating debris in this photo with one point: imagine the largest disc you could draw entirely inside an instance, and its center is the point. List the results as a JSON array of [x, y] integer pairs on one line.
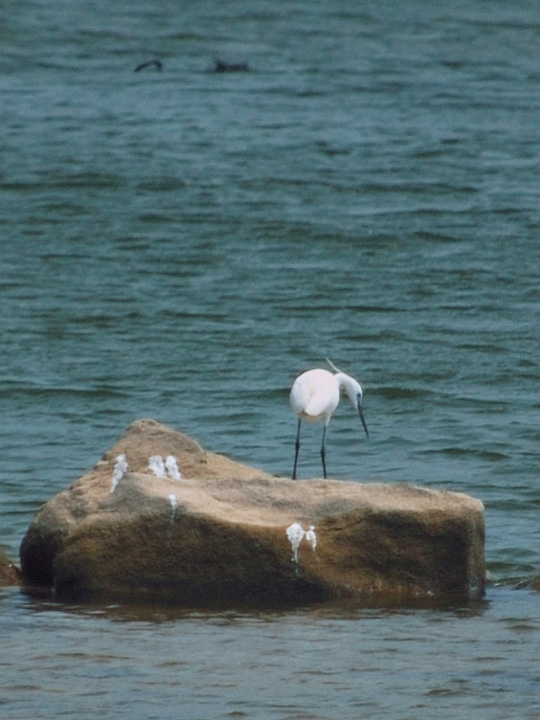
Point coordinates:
[[157, 466], [119, 471], [171, 465]]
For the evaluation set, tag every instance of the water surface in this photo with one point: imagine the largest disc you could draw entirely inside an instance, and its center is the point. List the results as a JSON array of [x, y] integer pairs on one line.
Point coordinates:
[[180, 244]]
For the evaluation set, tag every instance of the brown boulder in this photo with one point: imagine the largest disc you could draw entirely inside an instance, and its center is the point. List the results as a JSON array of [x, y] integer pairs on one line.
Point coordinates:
[[224, 533], [9, 573]]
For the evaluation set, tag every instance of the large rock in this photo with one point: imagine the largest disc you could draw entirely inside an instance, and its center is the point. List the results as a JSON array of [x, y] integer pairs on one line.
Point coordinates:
[[225, 533]]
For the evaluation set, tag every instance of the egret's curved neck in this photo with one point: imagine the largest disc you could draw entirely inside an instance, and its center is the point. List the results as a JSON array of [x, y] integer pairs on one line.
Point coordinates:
[[350, 386]]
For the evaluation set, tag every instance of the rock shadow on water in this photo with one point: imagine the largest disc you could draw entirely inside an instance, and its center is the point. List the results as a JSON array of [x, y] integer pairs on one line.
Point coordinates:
[[157, 610]]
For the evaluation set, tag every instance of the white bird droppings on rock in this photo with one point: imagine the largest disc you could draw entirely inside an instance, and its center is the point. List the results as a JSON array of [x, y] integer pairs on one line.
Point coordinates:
[[311, 537], [174, 504], [157, 466], [296, 533], [119, 471], [171, 465]]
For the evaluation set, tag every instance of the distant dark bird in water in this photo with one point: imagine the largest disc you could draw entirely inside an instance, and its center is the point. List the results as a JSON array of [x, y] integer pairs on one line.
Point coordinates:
[[155, 63], [220, 66]]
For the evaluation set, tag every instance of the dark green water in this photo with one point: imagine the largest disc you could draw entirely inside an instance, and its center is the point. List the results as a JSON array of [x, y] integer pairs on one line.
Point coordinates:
[[179, 244]]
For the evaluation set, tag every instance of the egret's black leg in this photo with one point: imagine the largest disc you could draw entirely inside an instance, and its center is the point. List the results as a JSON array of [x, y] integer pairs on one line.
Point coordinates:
[[297, 449], [323, 451]]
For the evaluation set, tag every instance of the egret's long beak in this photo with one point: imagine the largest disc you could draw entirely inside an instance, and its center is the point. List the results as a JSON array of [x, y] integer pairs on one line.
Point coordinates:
[[361, 413]]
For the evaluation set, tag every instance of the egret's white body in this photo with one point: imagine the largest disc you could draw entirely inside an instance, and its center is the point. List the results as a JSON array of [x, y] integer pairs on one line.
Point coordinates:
[[315, 395]]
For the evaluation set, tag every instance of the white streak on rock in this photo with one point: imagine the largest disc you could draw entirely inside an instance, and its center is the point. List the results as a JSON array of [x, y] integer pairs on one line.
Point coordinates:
[[171, 466], [156, 465], [311, 537], [119, 471], [174, 504], [295, 533]]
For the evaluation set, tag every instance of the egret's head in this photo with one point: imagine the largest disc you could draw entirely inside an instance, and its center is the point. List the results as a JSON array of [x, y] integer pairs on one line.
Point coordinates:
[[355, 394]]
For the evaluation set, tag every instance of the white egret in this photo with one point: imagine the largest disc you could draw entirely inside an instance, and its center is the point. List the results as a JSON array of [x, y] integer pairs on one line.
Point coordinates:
[[315, 395]]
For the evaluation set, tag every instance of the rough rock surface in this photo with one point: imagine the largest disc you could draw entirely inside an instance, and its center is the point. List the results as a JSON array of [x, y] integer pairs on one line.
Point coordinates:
[[9, 574], [219, 534]]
